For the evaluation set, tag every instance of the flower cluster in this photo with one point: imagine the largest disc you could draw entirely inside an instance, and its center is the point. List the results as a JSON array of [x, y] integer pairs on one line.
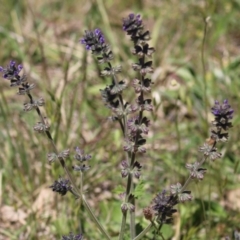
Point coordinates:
[[61, 186], [163, 202], [138, 125], [82, 158], [163, 205], [136, 170], [95, 41], [52, 157], [12, 73], [134, 27], [71, 236], [223, 114], [134, 128]]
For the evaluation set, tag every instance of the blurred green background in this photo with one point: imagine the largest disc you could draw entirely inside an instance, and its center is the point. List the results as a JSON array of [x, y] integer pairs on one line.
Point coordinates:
[[189, 74]]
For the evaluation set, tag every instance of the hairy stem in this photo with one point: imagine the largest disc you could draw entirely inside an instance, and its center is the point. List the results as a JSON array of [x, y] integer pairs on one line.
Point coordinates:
[[200, 164], [78, 193], [90, 212], [144, 232]]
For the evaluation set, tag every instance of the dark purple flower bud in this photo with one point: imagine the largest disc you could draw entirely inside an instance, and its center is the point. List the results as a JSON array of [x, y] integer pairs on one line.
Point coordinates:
[[131, 207], [124, 164], [61, 186], [131, 15], [124, 207], [125, 169], [124, 173], [137, 169], [20, 67], [12, 63]]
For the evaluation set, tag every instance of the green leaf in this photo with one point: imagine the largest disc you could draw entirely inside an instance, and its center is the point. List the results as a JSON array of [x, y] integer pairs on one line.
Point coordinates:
[[119, 189], [139, 189]]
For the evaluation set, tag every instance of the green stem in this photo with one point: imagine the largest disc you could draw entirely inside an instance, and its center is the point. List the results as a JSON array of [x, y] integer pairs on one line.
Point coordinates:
[[123, 224], [124, 124], [81, 183], [124, 215], [90, 212], [144, 232], [200, 164], [204, 72], [78, 193], [129, 184]]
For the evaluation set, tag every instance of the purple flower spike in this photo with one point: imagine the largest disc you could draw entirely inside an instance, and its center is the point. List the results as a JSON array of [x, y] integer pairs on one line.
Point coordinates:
[[132, 24], [222, 110], [223, 113], [11, 72], [94, 41]]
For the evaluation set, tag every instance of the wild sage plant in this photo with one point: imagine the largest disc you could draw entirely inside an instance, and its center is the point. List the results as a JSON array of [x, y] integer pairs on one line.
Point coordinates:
[[134, 125]]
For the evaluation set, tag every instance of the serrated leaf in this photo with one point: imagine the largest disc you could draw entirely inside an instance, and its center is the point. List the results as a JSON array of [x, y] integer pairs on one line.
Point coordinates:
[[139, 189]]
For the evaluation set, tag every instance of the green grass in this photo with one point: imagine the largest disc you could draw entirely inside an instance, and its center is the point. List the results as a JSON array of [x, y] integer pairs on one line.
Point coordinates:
[[44, 37]]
